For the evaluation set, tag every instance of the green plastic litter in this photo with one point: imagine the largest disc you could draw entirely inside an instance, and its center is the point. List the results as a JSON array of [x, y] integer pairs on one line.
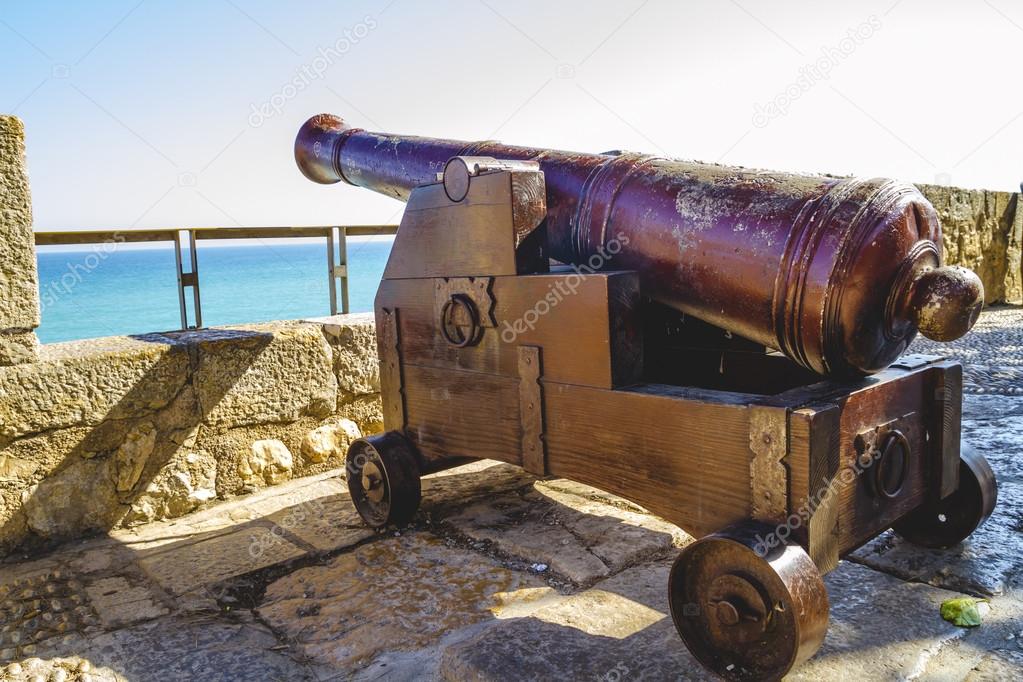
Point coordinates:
[[962, 611]]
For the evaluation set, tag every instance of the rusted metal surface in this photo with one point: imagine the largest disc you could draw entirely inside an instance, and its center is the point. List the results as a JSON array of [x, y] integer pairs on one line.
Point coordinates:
[[837, 273], [383, 479], [392, 388], [768, 443], [745, 613], [534, 459], [946, 523], [464, 307]]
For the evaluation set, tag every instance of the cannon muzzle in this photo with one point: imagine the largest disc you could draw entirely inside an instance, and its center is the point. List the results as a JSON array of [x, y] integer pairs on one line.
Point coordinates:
[[837, 273]]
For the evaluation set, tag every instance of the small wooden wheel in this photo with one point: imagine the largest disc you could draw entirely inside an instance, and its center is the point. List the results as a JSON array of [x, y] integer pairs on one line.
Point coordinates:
[[383, 479], [746, 610], [944, 524]]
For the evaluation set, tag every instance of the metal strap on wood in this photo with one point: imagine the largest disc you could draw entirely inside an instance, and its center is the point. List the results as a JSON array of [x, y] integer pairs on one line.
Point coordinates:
[[534, 457], [769, 477]]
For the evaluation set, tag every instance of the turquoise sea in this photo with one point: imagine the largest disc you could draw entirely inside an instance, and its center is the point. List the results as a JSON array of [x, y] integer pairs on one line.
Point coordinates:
[[110, 289]]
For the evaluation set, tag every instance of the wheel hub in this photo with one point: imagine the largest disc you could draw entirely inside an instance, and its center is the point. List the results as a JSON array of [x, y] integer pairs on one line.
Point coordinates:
[[373, 482], [740, 609]]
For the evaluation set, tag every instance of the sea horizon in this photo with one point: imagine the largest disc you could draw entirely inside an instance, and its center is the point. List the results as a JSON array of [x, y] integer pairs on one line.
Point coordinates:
[[116, 289]]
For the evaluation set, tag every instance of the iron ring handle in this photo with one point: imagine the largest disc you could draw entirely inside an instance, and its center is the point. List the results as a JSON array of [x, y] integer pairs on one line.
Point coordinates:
[[447, 320]]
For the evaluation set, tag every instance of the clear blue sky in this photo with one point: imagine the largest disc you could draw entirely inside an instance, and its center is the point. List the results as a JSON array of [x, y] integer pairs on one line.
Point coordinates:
[[141, 113]]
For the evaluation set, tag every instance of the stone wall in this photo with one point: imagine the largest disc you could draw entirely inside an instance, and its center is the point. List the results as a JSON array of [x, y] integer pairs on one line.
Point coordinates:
[[983, 230], [117, 431], [19, 283]]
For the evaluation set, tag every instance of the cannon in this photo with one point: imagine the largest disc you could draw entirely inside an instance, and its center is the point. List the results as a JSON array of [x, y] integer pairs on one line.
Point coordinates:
[[722, 346]]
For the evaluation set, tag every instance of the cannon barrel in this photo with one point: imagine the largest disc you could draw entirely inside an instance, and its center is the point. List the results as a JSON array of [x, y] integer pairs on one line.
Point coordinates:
[[837, 273]]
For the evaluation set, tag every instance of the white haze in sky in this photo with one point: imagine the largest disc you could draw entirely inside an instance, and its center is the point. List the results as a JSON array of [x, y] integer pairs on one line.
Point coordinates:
[[161, 114]]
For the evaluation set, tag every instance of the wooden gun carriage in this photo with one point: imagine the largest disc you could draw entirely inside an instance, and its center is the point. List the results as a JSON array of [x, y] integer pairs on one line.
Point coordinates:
[[488, 351]]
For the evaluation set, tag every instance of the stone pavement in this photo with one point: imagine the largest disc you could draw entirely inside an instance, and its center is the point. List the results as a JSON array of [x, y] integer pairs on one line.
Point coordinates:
[[502, 577]]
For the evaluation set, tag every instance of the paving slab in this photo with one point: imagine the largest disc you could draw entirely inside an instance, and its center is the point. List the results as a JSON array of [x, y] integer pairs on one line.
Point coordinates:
[[191, 565], [982, 565], [230, 514], [401, 593], [186, 649], [882, 628], [324, 524], [119, 602], [616, 630], [576, 537], [994, 650]]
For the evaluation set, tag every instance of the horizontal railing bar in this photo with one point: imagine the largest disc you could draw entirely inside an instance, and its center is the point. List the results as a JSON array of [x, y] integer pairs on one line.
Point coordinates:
[[167, 234], [258, 232], [370, 230], [100, 236]]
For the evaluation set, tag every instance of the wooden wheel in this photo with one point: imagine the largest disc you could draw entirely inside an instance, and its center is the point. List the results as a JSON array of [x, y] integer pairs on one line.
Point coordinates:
[[383, 479], [946, 523], [745, 615]]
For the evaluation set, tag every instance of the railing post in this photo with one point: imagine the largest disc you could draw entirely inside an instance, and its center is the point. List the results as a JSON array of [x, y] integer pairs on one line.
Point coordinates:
[[179, 269], [337, 268], [342, 267], [195, 278], [331, 282], [188, 279]]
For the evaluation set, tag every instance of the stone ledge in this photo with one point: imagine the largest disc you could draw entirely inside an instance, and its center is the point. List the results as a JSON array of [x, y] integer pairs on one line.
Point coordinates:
[[115, 431]]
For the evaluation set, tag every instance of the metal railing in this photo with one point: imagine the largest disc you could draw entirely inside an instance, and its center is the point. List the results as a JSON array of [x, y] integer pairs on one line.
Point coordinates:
[[337, 252]]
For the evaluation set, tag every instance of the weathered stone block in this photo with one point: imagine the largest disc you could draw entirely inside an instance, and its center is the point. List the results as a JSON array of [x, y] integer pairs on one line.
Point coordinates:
[[353, 340], [80, 497], [982, 230], [330, 441], [133, 454], [183, 485], [86, 382], [119, 431], [18, 347], [19, 282], [403, 594], [269, 462], [263, 373], [367, 411]]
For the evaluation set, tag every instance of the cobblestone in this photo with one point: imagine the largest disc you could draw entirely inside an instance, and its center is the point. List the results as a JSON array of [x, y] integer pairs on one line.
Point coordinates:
[[992, 354]]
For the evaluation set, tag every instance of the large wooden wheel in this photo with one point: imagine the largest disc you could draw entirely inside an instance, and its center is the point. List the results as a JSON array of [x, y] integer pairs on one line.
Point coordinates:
[[383, 479], [743, 614], [944, 524]]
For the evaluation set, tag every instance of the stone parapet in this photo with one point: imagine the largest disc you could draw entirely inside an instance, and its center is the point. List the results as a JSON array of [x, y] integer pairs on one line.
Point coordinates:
[[19, 281], [112, 432], [983, 230]]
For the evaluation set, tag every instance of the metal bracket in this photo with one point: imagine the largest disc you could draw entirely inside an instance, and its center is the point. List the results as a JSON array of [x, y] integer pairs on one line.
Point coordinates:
[[392, 385], [879, 444], [464, 308], [769, 477], [534, 457]]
